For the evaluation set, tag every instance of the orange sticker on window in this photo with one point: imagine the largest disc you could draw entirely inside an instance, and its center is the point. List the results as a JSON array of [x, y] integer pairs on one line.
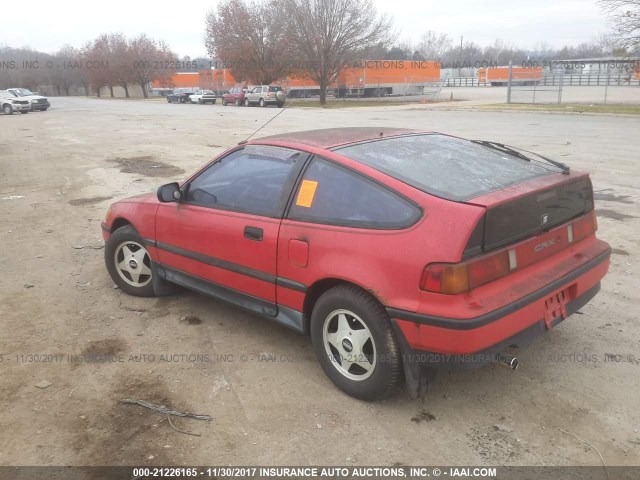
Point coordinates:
[[306, 193]]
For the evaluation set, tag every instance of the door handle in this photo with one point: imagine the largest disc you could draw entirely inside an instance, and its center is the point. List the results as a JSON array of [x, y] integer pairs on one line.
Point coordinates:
[[253, 233]]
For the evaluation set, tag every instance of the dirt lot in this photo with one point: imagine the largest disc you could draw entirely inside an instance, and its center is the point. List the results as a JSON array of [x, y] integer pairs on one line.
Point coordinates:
[[270, 401]]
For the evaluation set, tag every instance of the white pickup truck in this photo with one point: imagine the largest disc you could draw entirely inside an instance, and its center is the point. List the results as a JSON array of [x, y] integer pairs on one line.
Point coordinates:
[[10, 104], [37, 102]]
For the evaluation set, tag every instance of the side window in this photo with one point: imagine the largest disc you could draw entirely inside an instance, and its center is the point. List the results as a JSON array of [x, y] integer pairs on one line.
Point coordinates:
[[249, 180], [336, 195]]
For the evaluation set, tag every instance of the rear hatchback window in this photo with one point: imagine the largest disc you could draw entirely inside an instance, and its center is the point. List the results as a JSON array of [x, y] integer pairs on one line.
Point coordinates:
[[443, 166]]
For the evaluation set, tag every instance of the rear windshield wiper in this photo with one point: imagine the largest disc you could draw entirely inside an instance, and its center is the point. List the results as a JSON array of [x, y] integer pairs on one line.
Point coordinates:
[[501, 147]]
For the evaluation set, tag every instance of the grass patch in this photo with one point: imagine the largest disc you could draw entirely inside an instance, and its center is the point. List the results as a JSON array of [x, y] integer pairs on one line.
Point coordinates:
[[350, 103], [565, 107]]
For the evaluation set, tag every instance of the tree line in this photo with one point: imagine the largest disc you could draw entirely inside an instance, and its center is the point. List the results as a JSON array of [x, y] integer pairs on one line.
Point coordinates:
[[108, 61]]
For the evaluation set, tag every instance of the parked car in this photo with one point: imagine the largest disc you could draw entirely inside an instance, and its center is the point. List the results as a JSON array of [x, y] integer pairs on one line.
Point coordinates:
[[203, 96], [10, 104], [180, 95], [264, 95], [235, 96], [396, 250], [36, 102]]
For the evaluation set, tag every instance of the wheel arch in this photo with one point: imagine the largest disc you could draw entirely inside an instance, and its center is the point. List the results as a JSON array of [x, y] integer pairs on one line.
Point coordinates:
[[119, 222], [318, 288]]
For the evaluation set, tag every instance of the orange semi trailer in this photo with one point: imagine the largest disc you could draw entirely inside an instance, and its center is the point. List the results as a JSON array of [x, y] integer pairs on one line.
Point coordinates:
[[371, 78], [497, 76], [379, 78], [367, 78]]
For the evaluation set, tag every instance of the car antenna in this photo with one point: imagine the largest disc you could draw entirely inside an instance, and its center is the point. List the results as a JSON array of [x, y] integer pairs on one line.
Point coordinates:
[[267, 122]]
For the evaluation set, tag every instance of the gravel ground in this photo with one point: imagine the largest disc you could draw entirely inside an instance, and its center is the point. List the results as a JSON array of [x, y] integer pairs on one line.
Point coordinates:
[[270, 402]]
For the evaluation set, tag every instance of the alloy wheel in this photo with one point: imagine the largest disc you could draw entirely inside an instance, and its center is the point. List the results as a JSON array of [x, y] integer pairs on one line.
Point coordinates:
[[349, 344], [133, 263]]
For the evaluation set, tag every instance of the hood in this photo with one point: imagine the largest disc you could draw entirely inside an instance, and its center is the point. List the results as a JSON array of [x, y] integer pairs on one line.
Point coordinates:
[[150, 197]]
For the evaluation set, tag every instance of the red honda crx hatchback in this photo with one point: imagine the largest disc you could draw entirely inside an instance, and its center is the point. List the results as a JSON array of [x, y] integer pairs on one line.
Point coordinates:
[[396, 250]]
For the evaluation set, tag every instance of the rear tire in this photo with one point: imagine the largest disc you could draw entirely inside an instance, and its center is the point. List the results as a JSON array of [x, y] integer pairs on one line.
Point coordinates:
[[262, 103], [354, 342], [246, 102], [238, 102], [128, 262]]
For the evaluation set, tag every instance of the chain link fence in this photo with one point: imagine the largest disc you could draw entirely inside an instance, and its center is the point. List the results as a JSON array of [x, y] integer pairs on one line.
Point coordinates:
[[553, 87]]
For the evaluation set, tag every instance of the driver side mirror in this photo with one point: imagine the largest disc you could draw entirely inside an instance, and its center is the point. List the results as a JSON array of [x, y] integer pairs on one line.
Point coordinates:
[[170, 192]]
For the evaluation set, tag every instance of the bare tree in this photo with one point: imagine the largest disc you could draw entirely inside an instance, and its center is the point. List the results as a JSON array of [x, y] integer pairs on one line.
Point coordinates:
[[327, 34], [433, 45], [251, 38], [100, 50], [22, 71], [625, 18], [121, 61], [72, 73], [150, 60]]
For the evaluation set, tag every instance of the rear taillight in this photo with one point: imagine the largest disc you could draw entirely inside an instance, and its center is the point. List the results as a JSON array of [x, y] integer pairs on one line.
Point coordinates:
[[456, 278], [584, 227]]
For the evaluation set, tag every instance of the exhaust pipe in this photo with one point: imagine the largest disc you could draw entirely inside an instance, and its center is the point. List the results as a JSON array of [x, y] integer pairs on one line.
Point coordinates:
[[507, 360]]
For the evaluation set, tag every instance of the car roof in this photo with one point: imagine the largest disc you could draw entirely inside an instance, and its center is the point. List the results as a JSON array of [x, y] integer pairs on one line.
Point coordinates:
[[332, 137]]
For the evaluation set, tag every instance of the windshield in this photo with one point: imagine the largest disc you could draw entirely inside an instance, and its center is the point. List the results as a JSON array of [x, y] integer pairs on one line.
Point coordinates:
[[22, 92], [444, 166]]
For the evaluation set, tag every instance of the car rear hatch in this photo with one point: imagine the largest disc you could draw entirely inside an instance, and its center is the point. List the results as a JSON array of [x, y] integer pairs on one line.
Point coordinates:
[[522, 195], [530, 208]]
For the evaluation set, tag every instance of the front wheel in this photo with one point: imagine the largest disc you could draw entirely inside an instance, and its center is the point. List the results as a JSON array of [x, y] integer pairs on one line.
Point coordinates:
[[7, 109], [354, 342], [128, 262]]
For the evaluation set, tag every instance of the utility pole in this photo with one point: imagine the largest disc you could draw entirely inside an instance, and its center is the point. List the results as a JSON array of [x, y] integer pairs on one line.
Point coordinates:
[[460, 59], [509, 81]]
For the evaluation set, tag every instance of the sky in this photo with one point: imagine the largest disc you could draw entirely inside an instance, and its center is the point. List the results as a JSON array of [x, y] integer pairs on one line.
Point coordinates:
[[49, 25]]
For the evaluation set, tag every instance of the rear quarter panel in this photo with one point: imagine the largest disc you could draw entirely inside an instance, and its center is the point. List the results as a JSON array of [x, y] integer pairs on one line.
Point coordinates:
[[387, 263]]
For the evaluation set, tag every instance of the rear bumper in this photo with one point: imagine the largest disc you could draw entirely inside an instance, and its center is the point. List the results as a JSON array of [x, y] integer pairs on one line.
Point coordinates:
[[427, 340], [467, 361]]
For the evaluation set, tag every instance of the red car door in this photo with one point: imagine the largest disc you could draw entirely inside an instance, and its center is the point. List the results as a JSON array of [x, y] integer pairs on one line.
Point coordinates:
[[221, 239]]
